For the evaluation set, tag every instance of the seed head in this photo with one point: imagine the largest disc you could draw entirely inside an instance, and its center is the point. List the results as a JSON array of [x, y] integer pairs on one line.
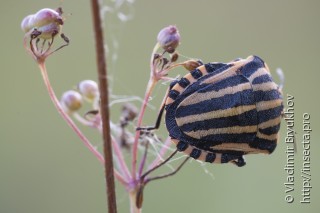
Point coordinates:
[[71, 101], [169, 38]]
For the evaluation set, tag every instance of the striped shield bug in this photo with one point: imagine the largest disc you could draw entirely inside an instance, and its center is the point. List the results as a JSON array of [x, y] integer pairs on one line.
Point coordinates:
[[220, 112]]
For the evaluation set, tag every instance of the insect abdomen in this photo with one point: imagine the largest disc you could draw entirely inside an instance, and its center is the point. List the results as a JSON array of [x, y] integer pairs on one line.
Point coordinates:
[[268, 101]]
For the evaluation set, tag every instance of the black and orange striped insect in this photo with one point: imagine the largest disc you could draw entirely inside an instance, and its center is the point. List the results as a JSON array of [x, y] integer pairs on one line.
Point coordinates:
[[221, 111]]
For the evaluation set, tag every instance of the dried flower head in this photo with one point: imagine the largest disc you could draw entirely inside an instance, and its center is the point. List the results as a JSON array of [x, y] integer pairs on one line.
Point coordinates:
[[169, 38]]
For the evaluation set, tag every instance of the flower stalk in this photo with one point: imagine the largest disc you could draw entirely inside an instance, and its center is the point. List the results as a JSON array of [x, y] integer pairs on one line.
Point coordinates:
[[65, 116], [104, 106]]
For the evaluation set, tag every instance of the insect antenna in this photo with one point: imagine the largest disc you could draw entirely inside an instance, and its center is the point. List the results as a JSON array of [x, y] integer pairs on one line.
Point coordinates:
[[281, 77]]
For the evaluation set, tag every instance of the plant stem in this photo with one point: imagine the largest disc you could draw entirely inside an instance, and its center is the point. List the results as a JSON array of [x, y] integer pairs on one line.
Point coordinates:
[[70, 122], [149, 90], [133, 206], [65, 116], [122, 164], [104, 106], [143, 160], [151, 84]]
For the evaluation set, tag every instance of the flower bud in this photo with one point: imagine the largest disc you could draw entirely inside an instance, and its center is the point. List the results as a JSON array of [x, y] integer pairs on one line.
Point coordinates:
[[71, 101], [89, 89], [191, 64], [174, 57], [25, 24], [169, 38], [46, 21], [47, 16], [49, 31]]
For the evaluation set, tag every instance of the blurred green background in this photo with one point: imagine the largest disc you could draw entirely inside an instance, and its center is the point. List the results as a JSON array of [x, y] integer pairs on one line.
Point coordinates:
[[45, 168]]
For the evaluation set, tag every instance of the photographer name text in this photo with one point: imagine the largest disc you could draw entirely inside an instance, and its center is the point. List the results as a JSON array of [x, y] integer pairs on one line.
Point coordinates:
[[290, 140]]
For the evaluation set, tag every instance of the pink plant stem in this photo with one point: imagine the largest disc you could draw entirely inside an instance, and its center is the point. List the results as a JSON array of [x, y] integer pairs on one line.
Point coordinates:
[[122, 163], [133, 206], [119, 156], [152, 82], [143, 161], [83, 121], [65, 116], [70, 122]]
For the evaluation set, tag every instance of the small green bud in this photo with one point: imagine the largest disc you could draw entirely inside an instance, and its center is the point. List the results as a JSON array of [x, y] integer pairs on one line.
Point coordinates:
[[169, 38], [89, 89], [71, 101]]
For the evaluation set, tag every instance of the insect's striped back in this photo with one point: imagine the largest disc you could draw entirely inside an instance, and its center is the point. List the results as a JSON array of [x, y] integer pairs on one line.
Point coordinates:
[[234, 106], [189, 79], [216, 108], [268, 101]]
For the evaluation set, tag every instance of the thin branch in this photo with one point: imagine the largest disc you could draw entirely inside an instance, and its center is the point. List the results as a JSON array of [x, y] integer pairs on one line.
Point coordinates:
[[69, 121], [151, 84], [104, 106], [144, 158], [123, 166]]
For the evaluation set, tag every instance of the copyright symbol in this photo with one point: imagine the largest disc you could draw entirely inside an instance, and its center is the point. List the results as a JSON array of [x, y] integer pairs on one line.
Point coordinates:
[[289, 198]]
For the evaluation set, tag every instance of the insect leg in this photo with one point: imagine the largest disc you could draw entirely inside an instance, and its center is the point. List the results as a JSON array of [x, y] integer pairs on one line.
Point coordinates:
[[169, 174], [159, 165], [158, 121], [239, 162], [144, 181], [236, 159]]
